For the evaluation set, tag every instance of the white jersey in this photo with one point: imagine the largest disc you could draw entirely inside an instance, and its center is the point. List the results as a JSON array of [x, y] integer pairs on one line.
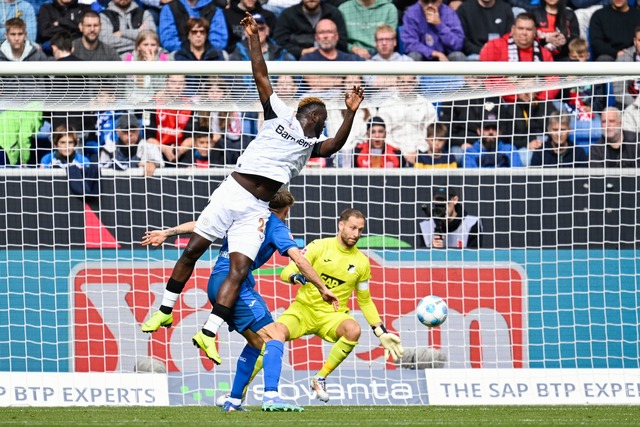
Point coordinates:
[[280, 150]]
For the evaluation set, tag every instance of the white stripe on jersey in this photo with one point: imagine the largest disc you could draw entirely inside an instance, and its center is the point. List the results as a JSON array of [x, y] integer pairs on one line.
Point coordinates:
[[280, 150]]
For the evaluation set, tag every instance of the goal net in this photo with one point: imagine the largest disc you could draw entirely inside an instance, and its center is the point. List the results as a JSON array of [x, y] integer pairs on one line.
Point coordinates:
[[538, 267]]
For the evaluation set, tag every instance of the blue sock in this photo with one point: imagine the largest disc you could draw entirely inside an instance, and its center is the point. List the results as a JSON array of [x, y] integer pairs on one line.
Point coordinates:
[[244, 369], [272, 365]]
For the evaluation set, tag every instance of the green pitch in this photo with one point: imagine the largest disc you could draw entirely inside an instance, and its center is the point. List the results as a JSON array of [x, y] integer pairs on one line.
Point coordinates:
[[318, 416]]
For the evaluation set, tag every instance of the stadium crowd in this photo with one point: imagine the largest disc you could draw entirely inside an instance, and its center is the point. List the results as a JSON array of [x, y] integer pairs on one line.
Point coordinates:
[[586, 125]]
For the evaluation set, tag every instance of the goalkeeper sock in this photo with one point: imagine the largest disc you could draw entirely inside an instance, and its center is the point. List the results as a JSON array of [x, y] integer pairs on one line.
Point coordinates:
[[244, 370], [272, 361], [340, 350], [171, 295]]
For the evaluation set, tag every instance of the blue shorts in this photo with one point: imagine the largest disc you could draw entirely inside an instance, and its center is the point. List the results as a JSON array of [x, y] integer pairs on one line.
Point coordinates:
[[250, 310]]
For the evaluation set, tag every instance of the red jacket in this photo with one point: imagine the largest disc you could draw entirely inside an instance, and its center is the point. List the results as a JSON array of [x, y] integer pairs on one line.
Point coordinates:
[[497, 50], [391, 157]]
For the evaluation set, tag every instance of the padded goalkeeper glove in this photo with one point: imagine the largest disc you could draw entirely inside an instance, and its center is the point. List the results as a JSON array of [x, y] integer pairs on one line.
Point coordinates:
[[298, 278], [390, 342]]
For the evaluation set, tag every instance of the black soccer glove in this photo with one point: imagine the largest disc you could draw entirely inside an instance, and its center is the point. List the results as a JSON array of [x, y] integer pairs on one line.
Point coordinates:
[[298, 278]]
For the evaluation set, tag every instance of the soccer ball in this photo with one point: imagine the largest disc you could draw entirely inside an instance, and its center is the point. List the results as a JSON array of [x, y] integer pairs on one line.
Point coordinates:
[[432, 311]]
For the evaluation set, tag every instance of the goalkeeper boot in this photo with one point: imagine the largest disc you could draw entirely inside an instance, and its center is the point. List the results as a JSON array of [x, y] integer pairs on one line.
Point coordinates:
[[156, 320], [230, 407], [276, 404], [208, 345], [319, 385]]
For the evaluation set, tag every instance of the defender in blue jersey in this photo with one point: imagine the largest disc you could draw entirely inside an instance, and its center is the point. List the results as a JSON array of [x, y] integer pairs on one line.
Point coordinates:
[[251, 317]]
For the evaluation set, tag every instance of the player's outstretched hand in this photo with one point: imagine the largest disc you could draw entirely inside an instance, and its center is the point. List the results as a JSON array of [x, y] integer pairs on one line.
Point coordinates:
[[154, 238], [390, 342], [354, 98], [250, 26]]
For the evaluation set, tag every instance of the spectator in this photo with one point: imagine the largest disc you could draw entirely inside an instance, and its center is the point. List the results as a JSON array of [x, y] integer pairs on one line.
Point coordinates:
[[236, 11], [448, 225], [557, 26], [65, 143], [225, 126], [362, 18], [296, 26], [465, 116], [520, 45], [17, 46], [59, 16], [197, 47], [129, 151], [524, 123], [166, 125], [205, 152], [335, 117], [19, 9], [89, 47], [490, 151], [62, 47], [585, 102], [270, 50], [482, 21], [375, 152], [386, 41], [327, 39], [584, 9], [173, 23], [558, 151], [611, 30], [616, 148], [407, 121], [434, 153], [626, 91], [121, 23], [17, 132], [431, 31], [147, 48]]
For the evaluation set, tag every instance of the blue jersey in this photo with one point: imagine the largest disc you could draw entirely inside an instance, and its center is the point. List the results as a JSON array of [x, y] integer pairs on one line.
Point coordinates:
[[277, 236]]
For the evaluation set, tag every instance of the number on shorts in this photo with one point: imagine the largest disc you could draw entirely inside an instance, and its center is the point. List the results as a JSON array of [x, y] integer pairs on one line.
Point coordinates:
[[262, 225]]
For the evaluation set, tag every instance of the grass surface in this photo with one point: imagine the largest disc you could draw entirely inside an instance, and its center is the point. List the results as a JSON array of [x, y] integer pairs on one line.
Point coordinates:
[[329, 416]]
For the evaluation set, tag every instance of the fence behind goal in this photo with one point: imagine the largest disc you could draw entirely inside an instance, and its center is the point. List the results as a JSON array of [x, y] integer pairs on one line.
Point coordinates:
[[545, 308]]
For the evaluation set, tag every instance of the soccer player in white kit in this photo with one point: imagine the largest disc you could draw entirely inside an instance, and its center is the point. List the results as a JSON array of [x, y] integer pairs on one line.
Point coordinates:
[[239, 207]]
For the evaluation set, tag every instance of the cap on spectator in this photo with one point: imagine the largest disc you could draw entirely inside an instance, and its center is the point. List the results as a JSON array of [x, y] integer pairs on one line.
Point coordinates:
[[259, 18], [442, 194], [127, 121], [376, 120], [490, 116]]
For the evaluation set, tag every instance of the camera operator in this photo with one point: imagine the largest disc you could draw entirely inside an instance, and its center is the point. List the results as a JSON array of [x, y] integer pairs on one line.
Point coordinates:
[[447, 224]]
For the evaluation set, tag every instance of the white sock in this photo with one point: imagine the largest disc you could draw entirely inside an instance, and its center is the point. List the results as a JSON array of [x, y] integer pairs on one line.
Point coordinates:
[[213, 323], [271, 394], [169, 298]]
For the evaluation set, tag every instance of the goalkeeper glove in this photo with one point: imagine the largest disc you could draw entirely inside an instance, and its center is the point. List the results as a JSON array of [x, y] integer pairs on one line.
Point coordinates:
[[390, 342], [298, 278]]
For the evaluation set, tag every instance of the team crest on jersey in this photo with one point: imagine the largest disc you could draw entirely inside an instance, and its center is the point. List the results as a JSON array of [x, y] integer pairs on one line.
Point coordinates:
[[351, 269]]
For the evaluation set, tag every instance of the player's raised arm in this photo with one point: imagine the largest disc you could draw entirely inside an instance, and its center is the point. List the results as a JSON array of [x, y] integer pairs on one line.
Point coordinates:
[[258, 65], [352, 100], [309, 274]]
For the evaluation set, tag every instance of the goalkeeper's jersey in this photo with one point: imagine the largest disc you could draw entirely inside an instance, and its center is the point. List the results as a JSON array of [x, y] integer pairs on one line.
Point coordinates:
[[281, 149], [340, 269]]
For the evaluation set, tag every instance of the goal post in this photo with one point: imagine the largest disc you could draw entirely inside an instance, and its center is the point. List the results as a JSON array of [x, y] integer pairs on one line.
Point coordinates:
[[548, 295]]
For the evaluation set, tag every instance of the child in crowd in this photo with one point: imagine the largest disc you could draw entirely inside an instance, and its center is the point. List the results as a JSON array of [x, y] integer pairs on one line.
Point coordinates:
[[434, 153], [205, 152], [65, 142]]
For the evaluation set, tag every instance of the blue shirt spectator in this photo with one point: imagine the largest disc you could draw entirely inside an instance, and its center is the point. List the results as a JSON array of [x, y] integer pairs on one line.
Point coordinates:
[[18, 9], [174, 17]]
